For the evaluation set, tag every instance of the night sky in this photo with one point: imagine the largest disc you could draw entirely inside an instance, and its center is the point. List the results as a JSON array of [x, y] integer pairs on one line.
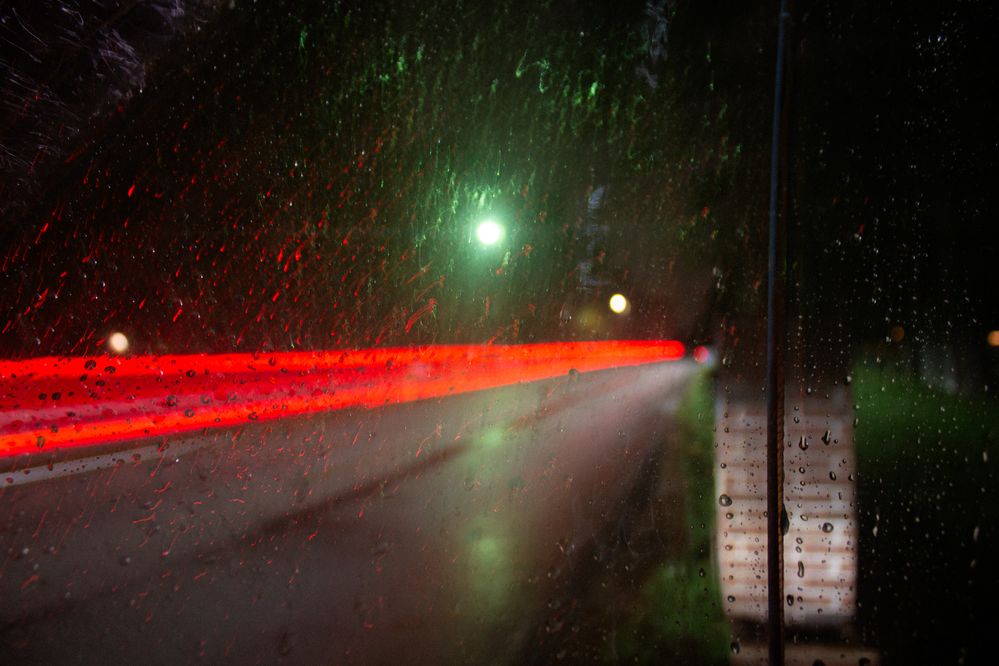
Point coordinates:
[[309, 175]]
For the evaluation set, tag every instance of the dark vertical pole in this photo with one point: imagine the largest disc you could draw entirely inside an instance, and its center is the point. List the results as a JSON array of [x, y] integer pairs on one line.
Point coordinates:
[[775, 374]]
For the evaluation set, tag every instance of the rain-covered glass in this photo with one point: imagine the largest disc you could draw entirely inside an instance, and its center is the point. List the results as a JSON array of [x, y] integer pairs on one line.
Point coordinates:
[[432, 331]]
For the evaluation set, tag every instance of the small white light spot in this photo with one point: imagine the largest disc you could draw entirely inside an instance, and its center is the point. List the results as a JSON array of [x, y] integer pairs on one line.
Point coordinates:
[[618, 303], [118, 343]]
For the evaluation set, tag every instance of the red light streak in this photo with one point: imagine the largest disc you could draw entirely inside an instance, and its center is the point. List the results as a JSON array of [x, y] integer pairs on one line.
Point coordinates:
[[53, 403]]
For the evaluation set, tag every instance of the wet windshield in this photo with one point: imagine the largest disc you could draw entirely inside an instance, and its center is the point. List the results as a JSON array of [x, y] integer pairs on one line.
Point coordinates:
[[359, 332]]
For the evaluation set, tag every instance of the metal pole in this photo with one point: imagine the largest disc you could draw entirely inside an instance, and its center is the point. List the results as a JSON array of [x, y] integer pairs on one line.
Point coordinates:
[[775, 374]]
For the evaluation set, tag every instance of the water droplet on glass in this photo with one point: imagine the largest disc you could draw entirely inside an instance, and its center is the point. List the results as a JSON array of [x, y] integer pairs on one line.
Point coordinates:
[[803, 443], [827, 437], [731, 598], [827, 527], [725, 500], [735, 647], [790, 600], [801, 569]]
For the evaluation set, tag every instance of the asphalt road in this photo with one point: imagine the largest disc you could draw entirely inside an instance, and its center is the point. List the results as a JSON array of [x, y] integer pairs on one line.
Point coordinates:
[[439, 531]]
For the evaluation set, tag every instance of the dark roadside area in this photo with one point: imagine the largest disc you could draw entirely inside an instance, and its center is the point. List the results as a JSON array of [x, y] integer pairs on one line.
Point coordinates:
[[647, 591]]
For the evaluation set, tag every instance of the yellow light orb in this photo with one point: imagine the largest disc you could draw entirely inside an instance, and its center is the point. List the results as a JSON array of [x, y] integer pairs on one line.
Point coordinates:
[[118, 343], [618, 303]]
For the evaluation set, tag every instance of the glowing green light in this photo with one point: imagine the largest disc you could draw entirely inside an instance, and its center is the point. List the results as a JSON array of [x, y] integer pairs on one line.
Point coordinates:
[[490, 438], [489, 232], [490, 568]]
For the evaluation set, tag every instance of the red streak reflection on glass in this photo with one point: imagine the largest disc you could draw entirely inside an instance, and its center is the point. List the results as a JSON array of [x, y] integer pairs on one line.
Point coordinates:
[[54, 403]]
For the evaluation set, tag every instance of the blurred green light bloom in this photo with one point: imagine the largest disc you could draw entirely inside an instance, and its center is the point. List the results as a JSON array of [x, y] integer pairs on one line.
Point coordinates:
[[489, 232]]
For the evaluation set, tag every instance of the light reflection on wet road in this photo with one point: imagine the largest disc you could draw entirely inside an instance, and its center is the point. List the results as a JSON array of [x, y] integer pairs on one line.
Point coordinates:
[[436, 531]]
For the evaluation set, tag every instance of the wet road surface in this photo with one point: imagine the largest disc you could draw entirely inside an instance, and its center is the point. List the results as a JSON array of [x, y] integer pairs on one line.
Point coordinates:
[[440, 530]]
